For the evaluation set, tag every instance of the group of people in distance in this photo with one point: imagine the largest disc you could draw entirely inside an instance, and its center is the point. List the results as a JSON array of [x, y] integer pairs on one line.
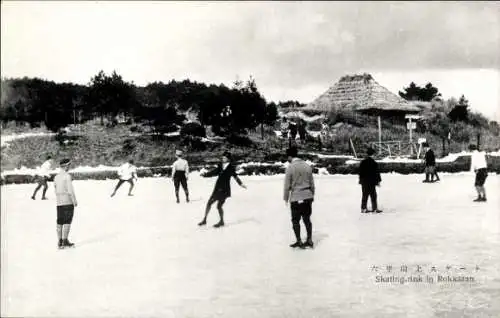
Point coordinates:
[[299, 187], [478, 165]]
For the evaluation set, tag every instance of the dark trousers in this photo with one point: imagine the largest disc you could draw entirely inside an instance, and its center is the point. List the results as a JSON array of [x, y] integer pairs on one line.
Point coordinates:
[[302, 211], [368, 190], [431, 171], [121, 181], [42, 182], [180, 179]]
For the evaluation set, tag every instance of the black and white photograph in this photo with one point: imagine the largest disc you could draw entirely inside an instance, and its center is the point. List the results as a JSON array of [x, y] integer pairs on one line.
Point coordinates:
[[263, 159]]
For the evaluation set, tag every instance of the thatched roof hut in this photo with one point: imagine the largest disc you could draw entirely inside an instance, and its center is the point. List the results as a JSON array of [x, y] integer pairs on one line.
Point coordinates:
[[361, 93]]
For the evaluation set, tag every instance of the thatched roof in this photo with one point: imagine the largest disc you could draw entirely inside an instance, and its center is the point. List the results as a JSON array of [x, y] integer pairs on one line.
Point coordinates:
[[360, 93]]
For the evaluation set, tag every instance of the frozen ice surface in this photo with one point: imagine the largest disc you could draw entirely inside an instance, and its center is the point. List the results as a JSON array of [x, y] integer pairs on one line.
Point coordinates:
[[145, 256]]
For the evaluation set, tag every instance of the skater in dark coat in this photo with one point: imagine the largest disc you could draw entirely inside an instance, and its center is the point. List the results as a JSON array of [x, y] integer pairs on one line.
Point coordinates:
[[430, 164], [222, 189], [369, 178]]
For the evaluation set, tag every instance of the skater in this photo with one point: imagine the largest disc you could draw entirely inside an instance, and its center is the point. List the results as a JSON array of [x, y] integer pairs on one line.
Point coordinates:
[[292, 127], [127, 173], [66, 203], [222, 189], [480, 167], [180, 173], [430, 164], [299, 191], [369, 178], [43, 177]]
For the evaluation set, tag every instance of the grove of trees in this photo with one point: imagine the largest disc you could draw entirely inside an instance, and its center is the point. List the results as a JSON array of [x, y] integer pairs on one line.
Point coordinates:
[[450, 119], [161, 105]]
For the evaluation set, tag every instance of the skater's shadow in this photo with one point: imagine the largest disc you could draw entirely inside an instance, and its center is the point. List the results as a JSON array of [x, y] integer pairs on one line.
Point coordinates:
[[97, 239], [242, 221], [318, 237]]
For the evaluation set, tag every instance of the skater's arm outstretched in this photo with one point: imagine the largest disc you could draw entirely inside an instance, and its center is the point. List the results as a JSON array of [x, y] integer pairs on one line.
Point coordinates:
[[213, 172], [235, 176]]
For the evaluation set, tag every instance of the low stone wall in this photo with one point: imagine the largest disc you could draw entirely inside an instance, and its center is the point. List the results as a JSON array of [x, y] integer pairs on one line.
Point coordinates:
[[332, 165]]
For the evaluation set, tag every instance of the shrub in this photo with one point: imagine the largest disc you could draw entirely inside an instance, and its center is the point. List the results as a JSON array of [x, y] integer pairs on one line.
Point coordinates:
[[240, 140], [193, 129], [128, 145], [193, 143]]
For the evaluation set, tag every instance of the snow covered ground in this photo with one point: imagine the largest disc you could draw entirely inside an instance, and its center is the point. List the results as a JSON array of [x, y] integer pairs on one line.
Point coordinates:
[[5, 139], [144, 256]]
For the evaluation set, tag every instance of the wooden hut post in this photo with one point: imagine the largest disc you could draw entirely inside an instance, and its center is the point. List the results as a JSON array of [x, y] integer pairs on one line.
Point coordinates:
[[379, 133]]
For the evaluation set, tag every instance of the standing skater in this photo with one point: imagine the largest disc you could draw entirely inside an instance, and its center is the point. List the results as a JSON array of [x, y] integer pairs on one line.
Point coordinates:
[[369, 178], [127, 173], [222, 189], [430, 164], [42, 178], [180, 173], [299, 190], [66, 203], [480, 167]]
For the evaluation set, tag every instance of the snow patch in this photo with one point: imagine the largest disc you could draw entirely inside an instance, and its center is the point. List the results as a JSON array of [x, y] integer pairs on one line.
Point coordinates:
[[4, 140]]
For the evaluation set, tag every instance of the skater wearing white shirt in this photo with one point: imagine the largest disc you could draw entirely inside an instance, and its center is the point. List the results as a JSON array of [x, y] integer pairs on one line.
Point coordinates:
[[480, 167], [43, 177], [180, 173], [127, 173], [66, 203]]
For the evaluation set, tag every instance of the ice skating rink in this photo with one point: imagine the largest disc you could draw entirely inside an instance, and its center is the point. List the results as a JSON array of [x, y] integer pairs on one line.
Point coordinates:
[[145, 256]]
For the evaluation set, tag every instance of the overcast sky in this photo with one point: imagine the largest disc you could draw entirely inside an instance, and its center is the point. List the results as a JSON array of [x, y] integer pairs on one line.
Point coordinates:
[[294, 50]]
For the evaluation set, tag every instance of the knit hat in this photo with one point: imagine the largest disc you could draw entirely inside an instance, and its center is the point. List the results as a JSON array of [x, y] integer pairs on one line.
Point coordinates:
[[178, 152], [370, 151]]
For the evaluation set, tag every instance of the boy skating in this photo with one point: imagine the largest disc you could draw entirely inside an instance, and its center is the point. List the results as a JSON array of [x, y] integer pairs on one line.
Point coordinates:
[[299, 191], [480, 167], [369, 179], [180, 173], [127, 173], [66, 203], [222, 189], [42, 178]]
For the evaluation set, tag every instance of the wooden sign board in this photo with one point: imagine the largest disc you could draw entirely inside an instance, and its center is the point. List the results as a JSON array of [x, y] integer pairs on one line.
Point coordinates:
[[413, 125]]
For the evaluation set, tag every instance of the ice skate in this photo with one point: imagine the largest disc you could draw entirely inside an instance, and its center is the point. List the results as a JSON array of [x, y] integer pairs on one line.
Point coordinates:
[[221, 223], [67, 243], [297, 244], [308, 243]]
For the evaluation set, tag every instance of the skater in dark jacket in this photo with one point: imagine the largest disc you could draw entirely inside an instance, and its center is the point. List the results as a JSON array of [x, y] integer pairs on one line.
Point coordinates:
[[369, 178], [222, 189], [430, 164]]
